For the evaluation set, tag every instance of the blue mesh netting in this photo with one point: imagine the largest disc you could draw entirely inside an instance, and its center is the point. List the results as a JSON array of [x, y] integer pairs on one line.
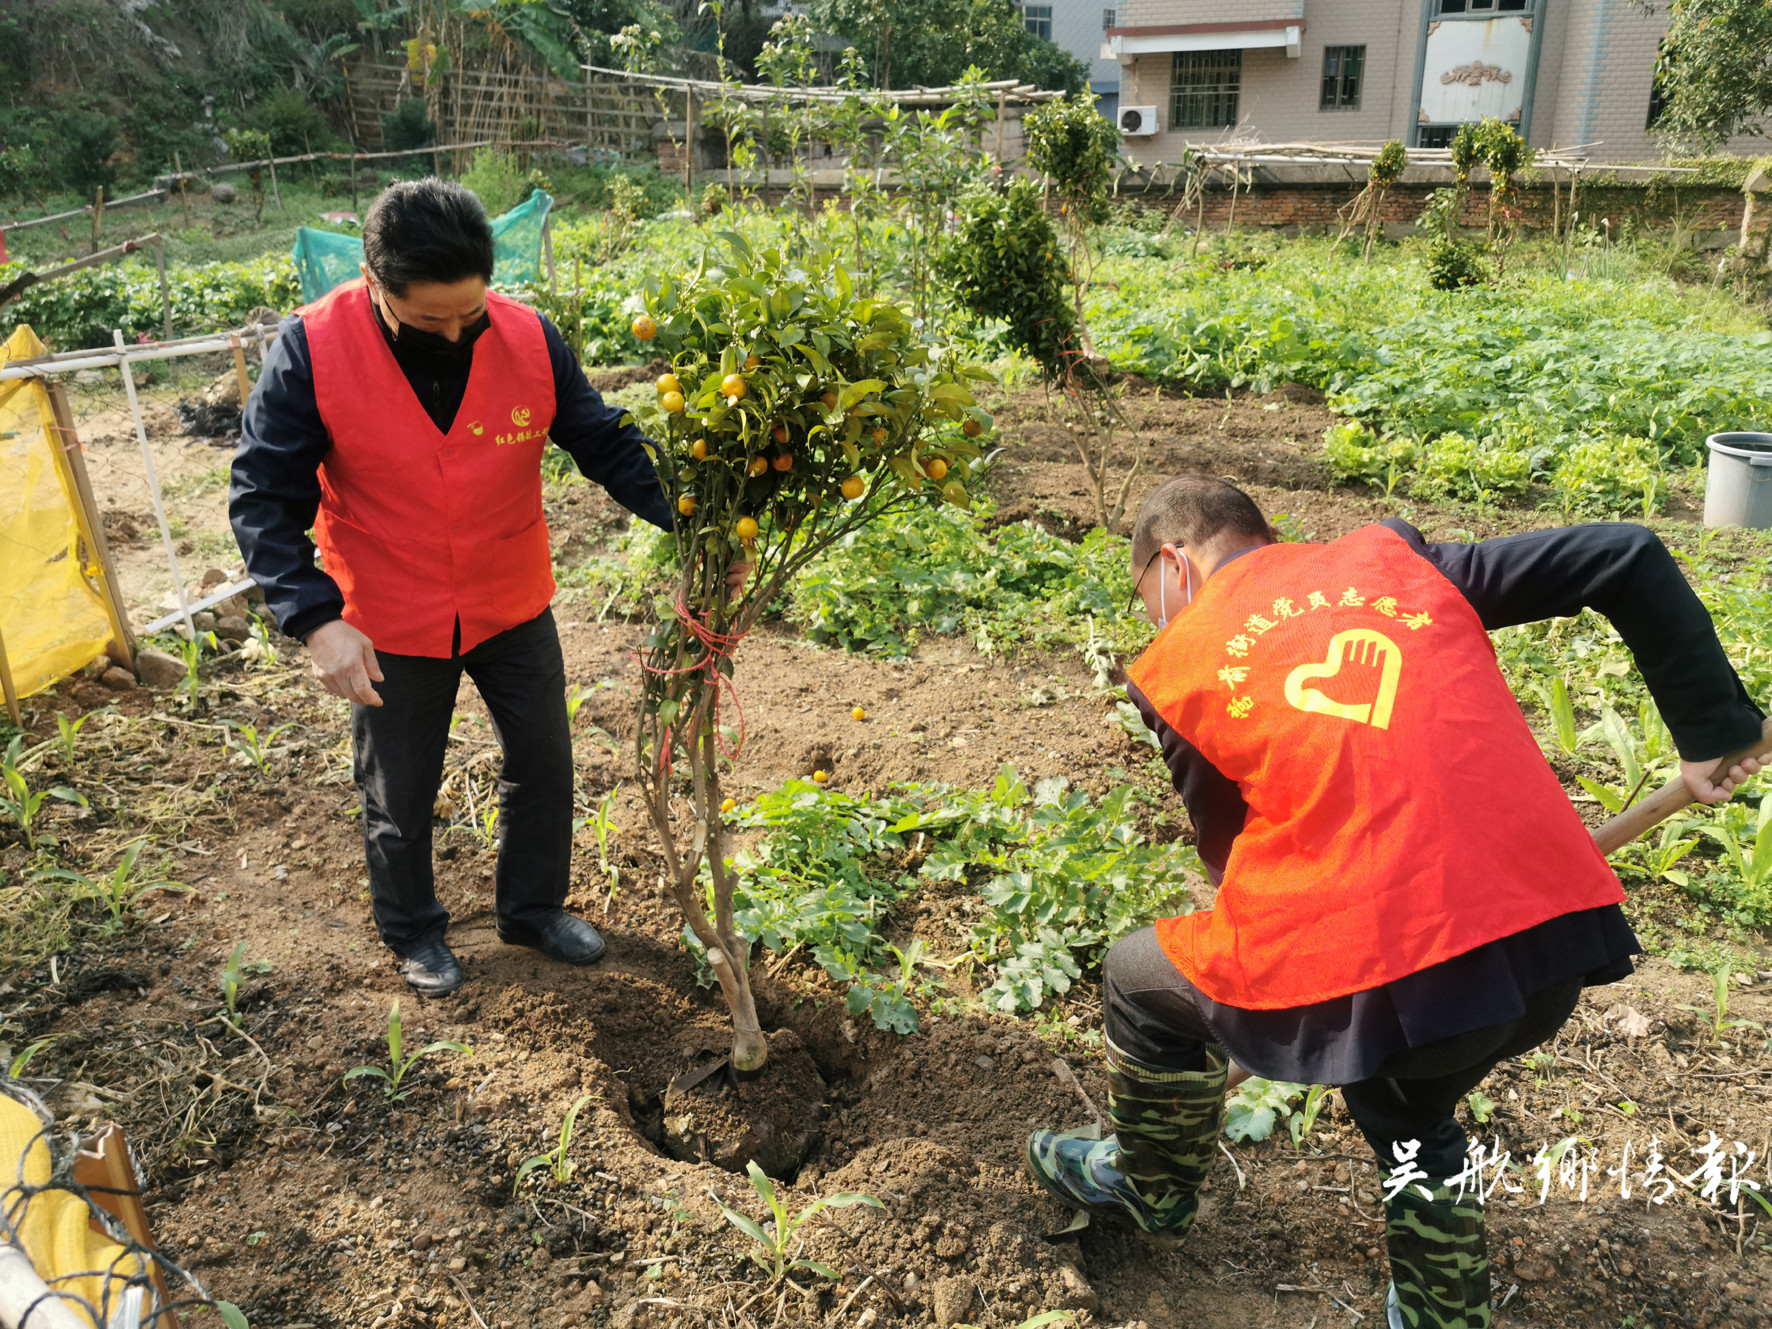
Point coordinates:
[[323, 259]]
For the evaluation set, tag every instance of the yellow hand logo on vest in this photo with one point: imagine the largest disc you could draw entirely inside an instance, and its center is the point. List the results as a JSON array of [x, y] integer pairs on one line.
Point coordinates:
[[1364, 647], [519, 416]]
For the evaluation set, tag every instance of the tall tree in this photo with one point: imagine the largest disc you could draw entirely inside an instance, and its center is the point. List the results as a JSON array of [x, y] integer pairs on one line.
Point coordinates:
[[930, 43], [1715, 72]]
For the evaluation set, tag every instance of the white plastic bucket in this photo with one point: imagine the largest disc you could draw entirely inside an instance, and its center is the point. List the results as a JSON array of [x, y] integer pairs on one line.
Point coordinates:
[[1738, 488]]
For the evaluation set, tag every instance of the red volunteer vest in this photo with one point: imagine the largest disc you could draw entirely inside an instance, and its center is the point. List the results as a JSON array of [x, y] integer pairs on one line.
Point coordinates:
[[1400, 812], [418, 527]]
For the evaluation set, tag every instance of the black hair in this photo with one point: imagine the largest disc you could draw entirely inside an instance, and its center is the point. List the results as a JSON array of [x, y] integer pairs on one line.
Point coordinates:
[[427, 230], [1194, 510]]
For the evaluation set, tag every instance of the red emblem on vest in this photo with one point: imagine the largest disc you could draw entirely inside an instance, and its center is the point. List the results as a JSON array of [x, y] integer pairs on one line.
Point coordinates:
[[420, 528], [1400, 811]]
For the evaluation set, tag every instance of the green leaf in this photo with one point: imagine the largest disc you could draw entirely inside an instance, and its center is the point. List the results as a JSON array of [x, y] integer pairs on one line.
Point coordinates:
[[748, 1226], [232, 1316], [355, 1071]]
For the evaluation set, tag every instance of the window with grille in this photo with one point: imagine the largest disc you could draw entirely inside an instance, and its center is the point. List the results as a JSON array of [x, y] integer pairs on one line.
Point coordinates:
[[1481, 6], [1107, 18], [1342, 67], [1038, 19], [1203, 89]]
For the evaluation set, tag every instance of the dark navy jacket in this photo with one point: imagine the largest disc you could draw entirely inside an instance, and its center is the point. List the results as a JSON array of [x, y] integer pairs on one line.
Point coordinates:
[[275, 492]]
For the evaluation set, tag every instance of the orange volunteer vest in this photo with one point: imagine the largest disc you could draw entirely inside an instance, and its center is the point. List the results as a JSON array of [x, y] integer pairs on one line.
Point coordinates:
[[418, 527], [1400, 812]]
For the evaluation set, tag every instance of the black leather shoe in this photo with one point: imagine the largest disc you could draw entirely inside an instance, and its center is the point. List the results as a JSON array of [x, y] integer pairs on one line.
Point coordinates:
[[559, 936], [431, 969]]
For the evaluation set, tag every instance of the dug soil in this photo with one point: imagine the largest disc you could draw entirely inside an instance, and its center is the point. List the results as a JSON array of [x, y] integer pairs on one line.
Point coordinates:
[[315, 1201]]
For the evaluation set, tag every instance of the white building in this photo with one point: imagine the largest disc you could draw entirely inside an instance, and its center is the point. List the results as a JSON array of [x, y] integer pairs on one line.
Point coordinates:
[[1080, 27]]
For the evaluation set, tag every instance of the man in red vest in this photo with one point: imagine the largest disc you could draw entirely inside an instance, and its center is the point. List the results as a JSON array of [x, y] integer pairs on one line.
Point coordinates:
[[403, 418], [1405, 895]]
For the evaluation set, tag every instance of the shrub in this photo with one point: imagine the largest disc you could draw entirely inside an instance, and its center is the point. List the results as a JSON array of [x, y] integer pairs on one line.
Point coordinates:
[[1007, 264], [292, 123], [1453, 264], [408, 127], [497, 180]]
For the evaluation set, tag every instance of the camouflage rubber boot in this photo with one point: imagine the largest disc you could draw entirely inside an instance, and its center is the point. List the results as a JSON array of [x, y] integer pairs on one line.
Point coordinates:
[[1439, 1261], [1149, 1171]]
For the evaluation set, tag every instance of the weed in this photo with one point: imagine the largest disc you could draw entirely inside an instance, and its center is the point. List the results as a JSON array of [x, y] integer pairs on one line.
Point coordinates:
[[1481, 1105], [15, 1070], [559, 1165], [235, 975], [779, 1236], [19, 802], [121, 889], [1719, 1012], [247, 742], [1258, 1105], [398, 1063]]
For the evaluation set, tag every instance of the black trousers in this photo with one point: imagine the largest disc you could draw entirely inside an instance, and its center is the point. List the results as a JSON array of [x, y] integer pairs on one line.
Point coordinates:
[[1151, 1014], [399, 749]]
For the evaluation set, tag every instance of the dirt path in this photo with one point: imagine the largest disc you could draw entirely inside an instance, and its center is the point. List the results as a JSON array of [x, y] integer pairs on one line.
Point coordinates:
[[313, 1202]]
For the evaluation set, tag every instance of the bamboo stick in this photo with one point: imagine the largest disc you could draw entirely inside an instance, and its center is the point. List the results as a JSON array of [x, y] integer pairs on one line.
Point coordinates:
[[141, 434], [9, 691], [73, 457], [240, 379], [165, 290]]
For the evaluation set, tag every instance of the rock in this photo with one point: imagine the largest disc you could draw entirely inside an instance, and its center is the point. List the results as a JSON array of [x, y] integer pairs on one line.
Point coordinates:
[[1078, 1295], [203, 621], [1535, 1269], [542, 1258], [118, 679], [215, 576], [984, 1063], [98, 666], [232, 629], [223, 192], [157, 669], [630, 1316], [953, 1299]]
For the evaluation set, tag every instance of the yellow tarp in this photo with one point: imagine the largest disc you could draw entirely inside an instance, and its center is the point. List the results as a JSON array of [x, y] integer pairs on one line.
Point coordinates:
[[54, 1227], [52, 617]]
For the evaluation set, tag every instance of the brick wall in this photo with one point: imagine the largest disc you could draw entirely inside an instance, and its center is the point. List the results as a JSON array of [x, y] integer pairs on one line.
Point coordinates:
[[1715, 210]]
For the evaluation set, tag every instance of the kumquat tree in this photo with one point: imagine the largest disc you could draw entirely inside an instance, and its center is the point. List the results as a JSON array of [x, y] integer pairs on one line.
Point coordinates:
[[793, 414]]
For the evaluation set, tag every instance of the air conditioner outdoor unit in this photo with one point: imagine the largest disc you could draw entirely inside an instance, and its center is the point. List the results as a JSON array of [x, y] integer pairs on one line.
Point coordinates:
[[1139, 121]]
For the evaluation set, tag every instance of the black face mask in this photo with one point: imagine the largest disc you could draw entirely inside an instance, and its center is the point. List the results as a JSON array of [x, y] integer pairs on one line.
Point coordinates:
[[434, 347]]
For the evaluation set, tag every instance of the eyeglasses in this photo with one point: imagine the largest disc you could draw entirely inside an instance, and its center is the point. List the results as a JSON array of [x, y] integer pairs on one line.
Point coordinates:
[[1132, 600]]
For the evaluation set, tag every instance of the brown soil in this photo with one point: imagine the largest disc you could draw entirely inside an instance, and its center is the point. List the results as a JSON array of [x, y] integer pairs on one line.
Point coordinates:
[[313, 1201]]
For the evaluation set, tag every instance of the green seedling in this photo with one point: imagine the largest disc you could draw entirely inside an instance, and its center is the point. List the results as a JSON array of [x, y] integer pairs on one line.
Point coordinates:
[[235, 976], [118, 892], [68, 734], [19, 802], [556, 1161], [398, 1063], [578, 697], [1305, 1118], [487, 828], [1481, 1105], [16, 1070], [1562, 714], [1719, 1012], [247, 741], [779, 1237], [1750, 858], [604, 828], [192, 653]]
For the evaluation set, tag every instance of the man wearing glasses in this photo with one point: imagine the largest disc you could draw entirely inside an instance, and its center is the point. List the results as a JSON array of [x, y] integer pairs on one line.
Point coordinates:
[[1405, 895]]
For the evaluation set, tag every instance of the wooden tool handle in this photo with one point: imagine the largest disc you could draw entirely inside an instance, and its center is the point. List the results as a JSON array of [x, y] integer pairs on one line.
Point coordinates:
[[1619, 831]]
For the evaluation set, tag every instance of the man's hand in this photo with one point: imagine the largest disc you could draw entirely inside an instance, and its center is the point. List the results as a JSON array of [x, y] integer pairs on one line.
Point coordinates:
[[1697, 775], [735, 576], [344, 660]]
